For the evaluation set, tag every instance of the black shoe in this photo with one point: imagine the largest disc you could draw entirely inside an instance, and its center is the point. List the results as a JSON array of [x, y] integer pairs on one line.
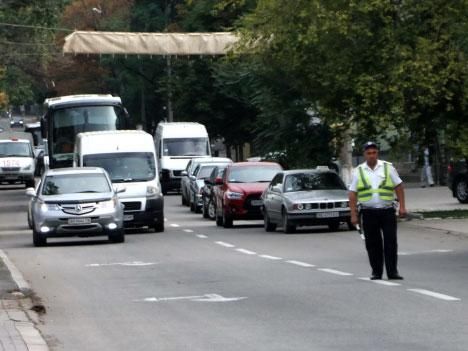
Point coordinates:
[[395, 277], [375, 277]]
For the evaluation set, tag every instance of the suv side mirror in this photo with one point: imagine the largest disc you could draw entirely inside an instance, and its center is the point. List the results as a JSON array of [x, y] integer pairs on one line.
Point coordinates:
[[184, 173], [276, 188], [119, 189], [219, 181], [30, 192]]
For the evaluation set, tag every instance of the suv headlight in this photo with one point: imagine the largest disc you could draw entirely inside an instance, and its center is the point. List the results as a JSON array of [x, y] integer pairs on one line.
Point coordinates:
[[232, 195], [49, 207], [152, 191]]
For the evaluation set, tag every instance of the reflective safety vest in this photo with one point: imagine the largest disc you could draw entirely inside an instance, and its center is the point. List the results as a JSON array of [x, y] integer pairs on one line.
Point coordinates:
[[385, 189]]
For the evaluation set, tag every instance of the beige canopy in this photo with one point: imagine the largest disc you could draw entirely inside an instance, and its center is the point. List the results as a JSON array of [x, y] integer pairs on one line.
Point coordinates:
[[85, 42]]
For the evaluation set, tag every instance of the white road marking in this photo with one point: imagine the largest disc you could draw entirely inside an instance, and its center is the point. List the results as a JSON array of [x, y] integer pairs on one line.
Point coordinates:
[[334, 271], [222, 243], [199, 298], [408, 253], [435, 294], [188, 230], [268, 257], [173, 225], [201, 236], [247, 252], [301, 264], [379, 281], [127, 264]]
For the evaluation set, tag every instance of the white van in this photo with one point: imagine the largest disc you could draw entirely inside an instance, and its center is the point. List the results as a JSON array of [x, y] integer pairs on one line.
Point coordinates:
[[16, 160], [129, 157], [176, 144]]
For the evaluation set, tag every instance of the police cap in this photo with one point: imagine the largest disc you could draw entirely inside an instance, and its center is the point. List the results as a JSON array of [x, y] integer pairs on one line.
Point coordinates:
[[370, 144]]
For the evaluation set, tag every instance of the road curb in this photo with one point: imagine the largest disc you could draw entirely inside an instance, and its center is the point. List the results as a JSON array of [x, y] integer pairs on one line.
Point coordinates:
[[16, 314], [17, 276]]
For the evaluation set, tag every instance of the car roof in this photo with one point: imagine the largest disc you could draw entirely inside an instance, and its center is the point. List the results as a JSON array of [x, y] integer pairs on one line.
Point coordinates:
[[310, 170], [255, 164], [74, 170], [82, 99]]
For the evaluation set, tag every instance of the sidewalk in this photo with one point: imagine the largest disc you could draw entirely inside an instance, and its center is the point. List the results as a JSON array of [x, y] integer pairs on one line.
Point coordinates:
[[438, 198], [17, 321]]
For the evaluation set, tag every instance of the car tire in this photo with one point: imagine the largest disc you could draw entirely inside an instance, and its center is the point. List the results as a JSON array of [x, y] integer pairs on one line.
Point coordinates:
[[288, 228], [30, 183], [461, 191], [205, 209], [38, 239], [228, 222], [192, 205], [211, 210], [117, 237], [184, 200], [268, 225]]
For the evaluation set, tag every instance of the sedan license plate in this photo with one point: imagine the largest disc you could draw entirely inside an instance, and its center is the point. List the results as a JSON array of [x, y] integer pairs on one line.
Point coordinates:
[[328, 215], [79, 221], [128, 217], [256, 202]]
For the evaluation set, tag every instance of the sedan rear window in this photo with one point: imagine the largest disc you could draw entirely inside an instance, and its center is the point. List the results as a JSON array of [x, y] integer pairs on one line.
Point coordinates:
[[313, 181], [75, 183], [253, 174]]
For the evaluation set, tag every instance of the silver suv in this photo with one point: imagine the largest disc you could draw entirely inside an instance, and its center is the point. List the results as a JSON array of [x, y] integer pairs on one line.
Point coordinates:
[[75, 202]]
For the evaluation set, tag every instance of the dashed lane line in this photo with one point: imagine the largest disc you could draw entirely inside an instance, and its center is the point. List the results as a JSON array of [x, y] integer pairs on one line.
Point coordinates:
[[247, 252], [380, 282], [222, 243], [300, 263], [173, 225], [201, 236], [434, 294], [188, 230], [268, 257], [409, 253], [334, 271]]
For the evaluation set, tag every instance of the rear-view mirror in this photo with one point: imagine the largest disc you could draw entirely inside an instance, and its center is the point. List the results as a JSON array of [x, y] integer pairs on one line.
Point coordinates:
[[30, 192]]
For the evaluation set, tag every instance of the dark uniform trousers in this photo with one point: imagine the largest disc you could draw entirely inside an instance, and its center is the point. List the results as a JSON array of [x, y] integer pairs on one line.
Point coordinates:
[[377, 223]]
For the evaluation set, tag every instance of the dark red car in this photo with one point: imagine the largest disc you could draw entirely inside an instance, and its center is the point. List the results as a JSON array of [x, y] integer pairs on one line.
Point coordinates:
[[240, 191]]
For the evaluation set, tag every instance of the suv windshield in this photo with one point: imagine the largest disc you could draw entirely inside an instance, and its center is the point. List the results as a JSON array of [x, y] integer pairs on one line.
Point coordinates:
[[124, 167], [75, 183], [253, 174], [186, 147], [15, 149], [313, 181]]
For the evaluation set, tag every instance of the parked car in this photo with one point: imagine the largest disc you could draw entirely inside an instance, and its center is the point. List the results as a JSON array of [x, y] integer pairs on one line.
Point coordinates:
[[197, 182], [75, 202], [188, 173], [17, 163], [239, 195], [305, 197], [16, 121], [458, 180], [208, 192]]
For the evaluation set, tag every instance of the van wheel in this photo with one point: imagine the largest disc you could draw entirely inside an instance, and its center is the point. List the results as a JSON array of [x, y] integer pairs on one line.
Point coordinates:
[[38, 239], [117, 237], [159, 225]]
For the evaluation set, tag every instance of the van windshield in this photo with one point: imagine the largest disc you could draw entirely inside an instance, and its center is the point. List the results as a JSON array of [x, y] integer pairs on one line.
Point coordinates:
[[186, 147], [15, 149], [124, 167]]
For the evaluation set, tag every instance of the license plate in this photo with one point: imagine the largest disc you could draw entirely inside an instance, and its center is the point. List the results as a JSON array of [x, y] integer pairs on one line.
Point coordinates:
[[128, 218], [10, 163], [256, 202], [328, 215], [79, 221]]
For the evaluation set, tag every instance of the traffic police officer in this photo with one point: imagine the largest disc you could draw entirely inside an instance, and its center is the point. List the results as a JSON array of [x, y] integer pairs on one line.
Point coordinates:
[[373, 186]]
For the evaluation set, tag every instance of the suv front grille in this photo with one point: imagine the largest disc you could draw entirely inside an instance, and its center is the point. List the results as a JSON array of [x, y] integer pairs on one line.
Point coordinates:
[[10, 169]]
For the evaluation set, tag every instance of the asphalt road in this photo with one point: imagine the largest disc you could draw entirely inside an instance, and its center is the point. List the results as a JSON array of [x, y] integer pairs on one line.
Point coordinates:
[[199, 287]]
